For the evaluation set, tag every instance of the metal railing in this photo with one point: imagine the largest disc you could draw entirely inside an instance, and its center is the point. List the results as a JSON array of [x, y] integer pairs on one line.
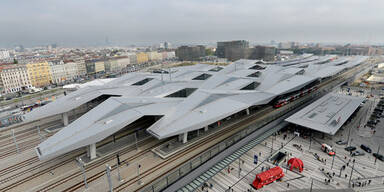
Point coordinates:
[[187, 167], [178, 172]]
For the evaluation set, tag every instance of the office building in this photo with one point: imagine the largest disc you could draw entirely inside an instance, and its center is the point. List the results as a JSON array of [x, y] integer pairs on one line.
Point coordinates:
[[232, 50], [189, 53]]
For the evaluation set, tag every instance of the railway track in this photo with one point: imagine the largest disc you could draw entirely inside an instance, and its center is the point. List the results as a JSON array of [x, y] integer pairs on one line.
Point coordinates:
[[170, 159], [110, 157], [222, 132], [16, 166], [64, 159], [100, 174], [11, 150], [202, 143]]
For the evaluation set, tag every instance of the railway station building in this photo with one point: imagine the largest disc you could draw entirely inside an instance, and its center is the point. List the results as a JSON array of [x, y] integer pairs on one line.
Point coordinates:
[[176, 102]]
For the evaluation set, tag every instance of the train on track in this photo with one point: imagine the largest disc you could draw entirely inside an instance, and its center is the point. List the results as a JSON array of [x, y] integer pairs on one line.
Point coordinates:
[[15, 116], [10, 120], [284, 100]]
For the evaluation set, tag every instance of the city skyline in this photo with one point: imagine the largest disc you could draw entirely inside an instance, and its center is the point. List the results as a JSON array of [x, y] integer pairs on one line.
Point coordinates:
[[90, 23]]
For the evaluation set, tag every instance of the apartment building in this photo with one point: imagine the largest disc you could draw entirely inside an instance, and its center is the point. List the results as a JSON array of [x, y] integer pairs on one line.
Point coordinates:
[[71, 70], [57, 71], [39, 73], [15, 78], [94, 66], [142, 57]]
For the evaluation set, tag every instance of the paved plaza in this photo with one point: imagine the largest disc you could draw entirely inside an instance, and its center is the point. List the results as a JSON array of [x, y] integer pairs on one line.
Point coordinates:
[[365, 166]]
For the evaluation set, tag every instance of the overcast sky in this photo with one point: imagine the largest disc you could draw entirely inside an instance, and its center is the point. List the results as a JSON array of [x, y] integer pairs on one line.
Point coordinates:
[[89, 22]]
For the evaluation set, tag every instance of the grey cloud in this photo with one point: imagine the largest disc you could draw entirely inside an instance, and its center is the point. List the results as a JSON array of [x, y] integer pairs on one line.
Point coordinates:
[[88, 22]]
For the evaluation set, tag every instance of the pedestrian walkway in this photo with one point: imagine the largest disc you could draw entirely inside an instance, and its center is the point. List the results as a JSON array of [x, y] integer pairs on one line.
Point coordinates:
[[228, 178], [199, 181]]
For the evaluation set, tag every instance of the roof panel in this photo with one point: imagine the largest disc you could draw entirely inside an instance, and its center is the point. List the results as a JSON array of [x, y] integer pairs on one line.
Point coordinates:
[[327, 114]]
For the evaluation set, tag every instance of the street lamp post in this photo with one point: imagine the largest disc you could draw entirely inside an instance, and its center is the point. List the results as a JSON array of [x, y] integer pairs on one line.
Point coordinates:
[[333, 159], [310, 140], [138, 174], [378, 150], [137, 147], [239, 168], [14, 140], [349, 134], [80, 163], [39, 133], [350, 177], [118, 166], [109, 177], [310, 190]]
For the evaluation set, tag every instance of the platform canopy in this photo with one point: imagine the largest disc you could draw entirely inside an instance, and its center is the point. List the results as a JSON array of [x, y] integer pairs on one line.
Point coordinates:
[[327, 114], [184, 98]]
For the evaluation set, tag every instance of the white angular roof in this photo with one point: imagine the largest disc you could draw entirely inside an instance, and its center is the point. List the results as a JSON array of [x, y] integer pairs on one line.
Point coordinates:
[[327, 114], [208, 93]]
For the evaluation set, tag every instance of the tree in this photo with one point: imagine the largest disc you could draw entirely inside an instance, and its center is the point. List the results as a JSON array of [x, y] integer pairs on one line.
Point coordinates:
[[15, 61], [208, 52]]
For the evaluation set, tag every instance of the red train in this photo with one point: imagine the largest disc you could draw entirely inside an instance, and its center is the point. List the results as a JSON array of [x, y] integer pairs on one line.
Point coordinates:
[[283, 101], [267, 177]]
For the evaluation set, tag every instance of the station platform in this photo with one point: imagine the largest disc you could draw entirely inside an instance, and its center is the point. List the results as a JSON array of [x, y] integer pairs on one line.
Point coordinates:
[[128, 141], [174, 146]]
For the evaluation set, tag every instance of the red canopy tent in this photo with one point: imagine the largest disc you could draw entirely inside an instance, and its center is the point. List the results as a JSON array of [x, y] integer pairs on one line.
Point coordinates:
[[295, 163]]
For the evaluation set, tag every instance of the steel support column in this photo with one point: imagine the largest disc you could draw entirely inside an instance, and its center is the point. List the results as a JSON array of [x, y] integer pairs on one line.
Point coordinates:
[[185, 137], [65, 119], [92, 151]]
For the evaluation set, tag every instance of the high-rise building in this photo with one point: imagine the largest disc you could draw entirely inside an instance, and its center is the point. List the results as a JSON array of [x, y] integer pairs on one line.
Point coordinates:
[[188, 53], [262, 52], [167, 45], [232, 50]]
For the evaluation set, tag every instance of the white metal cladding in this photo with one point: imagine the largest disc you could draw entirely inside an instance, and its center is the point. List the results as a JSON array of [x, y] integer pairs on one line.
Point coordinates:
[[327, 114], [219, 95]]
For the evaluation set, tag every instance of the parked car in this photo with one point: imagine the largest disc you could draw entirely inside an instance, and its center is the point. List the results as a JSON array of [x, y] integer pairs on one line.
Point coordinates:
[[350, 148], [357, 153], [378, 156], [327, 149], [374, 119], [370, 125], [365, 148], [377, 112], [341, 142]]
